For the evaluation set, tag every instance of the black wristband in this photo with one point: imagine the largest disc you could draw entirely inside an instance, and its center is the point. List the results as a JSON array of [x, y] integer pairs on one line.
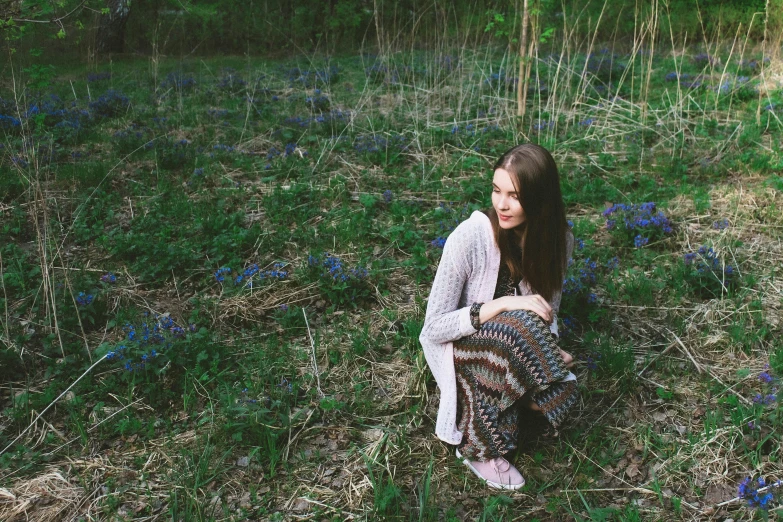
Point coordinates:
[[475, 320]]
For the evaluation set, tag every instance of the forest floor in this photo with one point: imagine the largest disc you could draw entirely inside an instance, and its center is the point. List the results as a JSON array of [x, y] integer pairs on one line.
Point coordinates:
[[185, 338]]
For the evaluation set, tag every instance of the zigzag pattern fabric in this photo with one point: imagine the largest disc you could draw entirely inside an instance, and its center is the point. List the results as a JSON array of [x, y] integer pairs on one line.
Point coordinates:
[[511, 355]]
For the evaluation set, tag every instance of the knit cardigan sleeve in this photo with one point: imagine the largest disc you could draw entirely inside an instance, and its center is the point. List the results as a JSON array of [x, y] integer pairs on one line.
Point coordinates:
[[445, 321]]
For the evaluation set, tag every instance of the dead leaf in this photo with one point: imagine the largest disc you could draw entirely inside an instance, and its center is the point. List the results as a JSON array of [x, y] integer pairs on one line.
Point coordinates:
[[300, 505], [717, 493]]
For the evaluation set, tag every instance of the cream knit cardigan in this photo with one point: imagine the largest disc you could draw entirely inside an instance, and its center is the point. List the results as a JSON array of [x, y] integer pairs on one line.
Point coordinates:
[[467, 274]]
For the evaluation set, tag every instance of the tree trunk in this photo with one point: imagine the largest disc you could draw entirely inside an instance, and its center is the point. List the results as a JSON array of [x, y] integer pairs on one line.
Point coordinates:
[[111, 32], [521, 88]]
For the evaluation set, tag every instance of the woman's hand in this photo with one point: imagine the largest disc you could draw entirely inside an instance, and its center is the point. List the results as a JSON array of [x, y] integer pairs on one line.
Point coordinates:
[[533, 303]]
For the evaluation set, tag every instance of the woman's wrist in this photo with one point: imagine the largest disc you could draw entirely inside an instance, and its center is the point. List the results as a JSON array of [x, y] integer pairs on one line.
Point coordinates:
[[492, 308]]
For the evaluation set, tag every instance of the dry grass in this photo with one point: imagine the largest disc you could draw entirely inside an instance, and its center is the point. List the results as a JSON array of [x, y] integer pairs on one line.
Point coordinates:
[[656, 445]]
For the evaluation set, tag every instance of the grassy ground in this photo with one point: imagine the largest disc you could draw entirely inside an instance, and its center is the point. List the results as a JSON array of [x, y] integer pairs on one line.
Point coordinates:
[[214, 275]]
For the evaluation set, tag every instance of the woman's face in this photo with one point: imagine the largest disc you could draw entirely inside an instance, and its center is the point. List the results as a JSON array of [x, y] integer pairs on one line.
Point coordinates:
[[506, 200]]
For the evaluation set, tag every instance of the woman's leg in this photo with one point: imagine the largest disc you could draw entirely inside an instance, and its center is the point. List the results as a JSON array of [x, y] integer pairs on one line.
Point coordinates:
[[511, 355]]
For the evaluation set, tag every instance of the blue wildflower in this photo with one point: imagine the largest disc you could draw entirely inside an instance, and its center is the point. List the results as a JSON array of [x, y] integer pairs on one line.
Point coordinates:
[[750, 491], [639, 241], [219, 274], [721, 224], [84, 299]]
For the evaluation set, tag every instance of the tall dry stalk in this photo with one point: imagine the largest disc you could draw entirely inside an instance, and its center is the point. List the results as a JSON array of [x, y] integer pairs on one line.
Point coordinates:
[[7, 338], [378, 34], [39, 214]]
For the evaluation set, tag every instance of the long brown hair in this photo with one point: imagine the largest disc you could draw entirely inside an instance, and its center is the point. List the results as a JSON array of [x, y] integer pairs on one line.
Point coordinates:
[[536, 249]]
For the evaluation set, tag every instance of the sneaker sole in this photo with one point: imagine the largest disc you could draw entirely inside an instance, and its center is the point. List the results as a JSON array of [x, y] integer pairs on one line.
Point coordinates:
[[494, 485]]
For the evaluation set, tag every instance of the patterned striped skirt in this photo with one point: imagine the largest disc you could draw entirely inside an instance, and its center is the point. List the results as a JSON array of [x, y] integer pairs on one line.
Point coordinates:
[[512, 355]]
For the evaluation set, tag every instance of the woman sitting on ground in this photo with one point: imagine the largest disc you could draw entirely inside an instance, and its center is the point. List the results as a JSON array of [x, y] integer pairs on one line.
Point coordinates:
[[490, 332]]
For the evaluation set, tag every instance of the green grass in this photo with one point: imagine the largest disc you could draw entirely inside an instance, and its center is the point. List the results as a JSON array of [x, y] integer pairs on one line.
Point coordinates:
[[258, 413]]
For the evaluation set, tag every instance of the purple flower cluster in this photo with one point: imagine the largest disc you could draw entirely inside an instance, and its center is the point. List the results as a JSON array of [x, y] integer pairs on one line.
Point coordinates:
[[133, 138], [110, 104], [685, 80], [375, 143], [147, 343], [67, 120], [722, 224], [593, 359], [753, 64], [703, 59], [332, 267], [230, 80], [312, 78], [109, 277], [9, 122], [220, 274], [243, 399], [179, 81], [471, 130], [543, 125], [219, 147], [640, 223], [604, 64], [318, 102], [756, 492], [582, 281], [84, 299], [706, 261], [707, 273], [448, 63], [765, 400], [452, 216], [252, 273], [739, 84]]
